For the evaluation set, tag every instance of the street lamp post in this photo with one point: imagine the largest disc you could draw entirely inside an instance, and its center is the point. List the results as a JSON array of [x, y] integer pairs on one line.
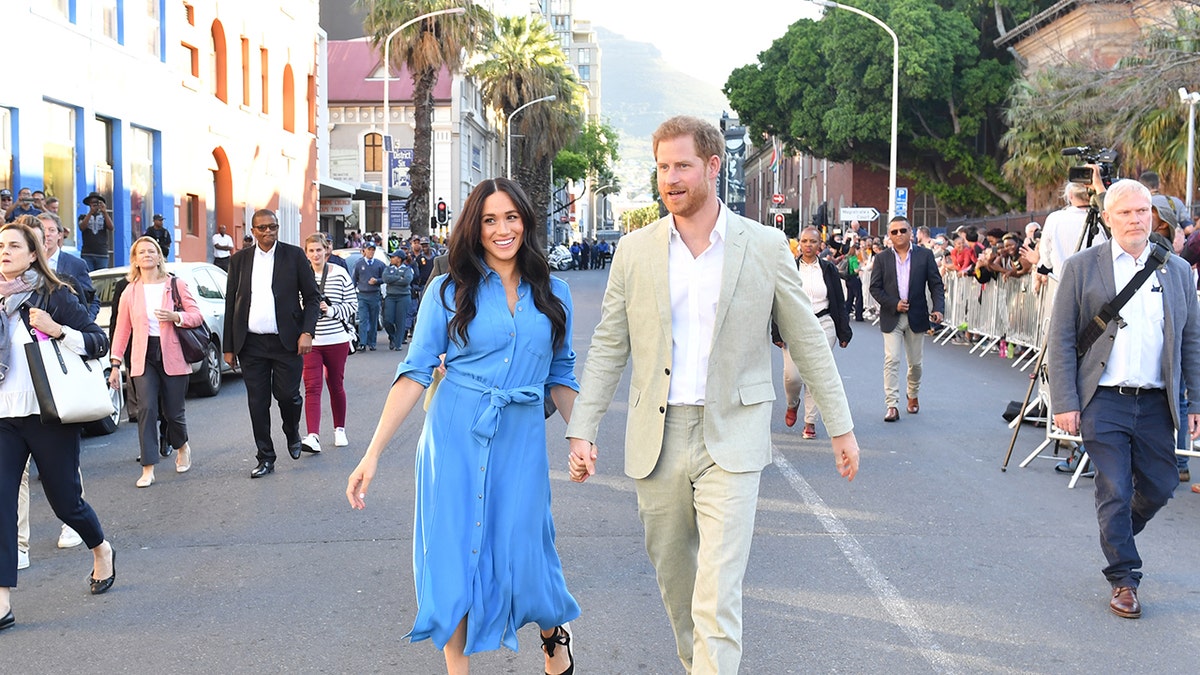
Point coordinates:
[[385, 217], [508, 130], [596, 199], [895, 92], [1191, 99]]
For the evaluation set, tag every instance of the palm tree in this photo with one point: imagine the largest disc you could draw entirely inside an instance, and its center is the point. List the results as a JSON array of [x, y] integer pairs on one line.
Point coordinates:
[[424, 49], [521, 62]]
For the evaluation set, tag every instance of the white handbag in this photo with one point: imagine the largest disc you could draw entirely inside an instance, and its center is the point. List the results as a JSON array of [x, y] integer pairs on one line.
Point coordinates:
[[70, 389]]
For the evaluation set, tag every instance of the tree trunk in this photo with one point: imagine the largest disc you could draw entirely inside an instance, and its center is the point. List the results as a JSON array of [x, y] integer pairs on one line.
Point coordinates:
[[418, 173], [534, 177]]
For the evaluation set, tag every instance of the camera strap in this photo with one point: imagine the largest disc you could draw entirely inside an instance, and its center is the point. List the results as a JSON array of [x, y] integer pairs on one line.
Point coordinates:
[[1111, 311]]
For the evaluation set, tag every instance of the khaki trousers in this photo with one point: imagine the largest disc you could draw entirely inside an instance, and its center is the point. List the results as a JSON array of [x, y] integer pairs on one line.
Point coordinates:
[[793, 386], [699, 520], [902, 338]]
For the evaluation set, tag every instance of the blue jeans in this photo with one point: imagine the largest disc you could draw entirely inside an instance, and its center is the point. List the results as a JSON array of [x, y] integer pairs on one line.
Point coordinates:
[[395, 316], [368, 318], [1129, 440], [95, 261]]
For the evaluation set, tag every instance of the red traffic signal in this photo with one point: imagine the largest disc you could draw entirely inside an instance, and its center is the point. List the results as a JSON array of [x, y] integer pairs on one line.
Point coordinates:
[[779, 220], [443, 215]]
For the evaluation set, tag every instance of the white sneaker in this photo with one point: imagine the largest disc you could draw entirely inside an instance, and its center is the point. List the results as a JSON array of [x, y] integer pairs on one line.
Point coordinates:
[[22, 559], [312, 443], [339, 438], [69, 538]]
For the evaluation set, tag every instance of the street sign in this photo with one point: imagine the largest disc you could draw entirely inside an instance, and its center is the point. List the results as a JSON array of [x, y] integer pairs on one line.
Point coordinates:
[[857, 213], [902, 201], [778, 199], [783, 210]]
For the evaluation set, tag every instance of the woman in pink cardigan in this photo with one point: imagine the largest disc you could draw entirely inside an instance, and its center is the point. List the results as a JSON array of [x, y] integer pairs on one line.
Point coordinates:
[[147, 316]]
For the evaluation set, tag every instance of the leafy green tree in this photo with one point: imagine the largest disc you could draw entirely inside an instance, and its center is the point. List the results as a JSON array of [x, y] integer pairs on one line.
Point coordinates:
[[640, 217], [824, 89], [522, 62], [424, 49]]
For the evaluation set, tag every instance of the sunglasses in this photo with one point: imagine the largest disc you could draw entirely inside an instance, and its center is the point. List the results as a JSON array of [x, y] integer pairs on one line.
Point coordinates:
[[266, 228], [900, 231]]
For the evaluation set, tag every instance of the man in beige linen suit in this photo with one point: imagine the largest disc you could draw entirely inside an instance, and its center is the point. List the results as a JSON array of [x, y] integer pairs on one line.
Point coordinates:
[[689, 300]]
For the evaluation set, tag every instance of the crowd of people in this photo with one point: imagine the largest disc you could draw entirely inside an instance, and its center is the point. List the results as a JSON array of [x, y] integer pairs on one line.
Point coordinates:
[[491, 354], [591, 254]]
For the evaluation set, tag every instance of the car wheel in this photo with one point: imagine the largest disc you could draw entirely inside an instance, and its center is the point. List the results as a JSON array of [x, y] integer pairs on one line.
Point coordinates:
[[207, 381], [108, 425]]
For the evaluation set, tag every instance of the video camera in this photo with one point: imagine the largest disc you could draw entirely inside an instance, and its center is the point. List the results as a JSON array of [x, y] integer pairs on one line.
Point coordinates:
[[1105, 158]]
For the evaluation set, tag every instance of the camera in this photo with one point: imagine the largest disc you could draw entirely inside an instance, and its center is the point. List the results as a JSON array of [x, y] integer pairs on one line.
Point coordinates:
[[1104, 158]]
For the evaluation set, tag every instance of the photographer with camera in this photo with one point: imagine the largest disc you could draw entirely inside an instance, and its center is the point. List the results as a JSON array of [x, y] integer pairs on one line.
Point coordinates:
[[94, 228], [1062, 230], [24, 206]]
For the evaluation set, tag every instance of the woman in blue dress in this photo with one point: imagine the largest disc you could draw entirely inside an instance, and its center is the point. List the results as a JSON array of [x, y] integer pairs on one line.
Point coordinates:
[[484, 559]]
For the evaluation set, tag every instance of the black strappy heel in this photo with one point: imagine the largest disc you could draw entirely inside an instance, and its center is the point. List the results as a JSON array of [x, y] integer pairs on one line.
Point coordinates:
[[560, 638]]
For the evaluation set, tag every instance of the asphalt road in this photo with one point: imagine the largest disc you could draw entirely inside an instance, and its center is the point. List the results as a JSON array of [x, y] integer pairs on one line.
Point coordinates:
[[932, 560]]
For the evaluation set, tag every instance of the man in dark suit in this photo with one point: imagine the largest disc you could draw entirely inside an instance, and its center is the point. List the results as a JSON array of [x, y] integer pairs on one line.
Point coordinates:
[[1120, 396], [898, 281], [68, 268], [268, 329]]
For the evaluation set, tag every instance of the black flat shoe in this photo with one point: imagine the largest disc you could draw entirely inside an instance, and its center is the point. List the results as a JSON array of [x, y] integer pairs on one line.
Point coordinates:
[[8, 621], [294, 449], [101, 585], [560, 638], [262, 469]]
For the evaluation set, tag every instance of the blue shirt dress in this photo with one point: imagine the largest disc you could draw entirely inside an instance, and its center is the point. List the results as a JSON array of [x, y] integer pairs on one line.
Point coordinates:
[[483, 540]]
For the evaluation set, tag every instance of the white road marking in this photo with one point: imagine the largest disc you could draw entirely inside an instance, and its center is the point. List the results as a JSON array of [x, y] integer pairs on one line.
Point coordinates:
[[902, 613]]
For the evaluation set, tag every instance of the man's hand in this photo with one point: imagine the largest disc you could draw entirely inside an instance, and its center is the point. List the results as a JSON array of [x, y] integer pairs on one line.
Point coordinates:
[[936, 317], [304, 344], [845, 455], [1194, 426], [231, 359], [902, 306], [1069, 421], [582, 459]]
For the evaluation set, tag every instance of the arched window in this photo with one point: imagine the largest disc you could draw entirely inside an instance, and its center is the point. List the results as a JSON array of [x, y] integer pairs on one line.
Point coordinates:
[[289, 99], [373, 152], [220, 69]]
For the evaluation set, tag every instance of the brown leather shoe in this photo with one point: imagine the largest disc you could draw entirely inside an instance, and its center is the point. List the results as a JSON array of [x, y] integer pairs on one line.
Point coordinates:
[[1125, 603], [914, 406], [892, 415], [789, 417]]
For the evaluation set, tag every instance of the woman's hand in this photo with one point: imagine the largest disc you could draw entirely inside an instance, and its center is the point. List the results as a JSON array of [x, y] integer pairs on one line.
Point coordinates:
[[360, 480], [166, 315], [114, 378], [42, 321]]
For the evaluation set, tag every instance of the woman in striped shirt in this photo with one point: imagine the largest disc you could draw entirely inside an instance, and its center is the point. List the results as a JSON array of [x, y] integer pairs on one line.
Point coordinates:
[[331, 344]]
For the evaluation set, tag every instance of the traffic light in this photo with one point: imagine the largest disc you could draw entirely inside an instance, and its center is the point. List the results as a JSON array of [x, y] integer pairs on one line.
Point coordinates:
[[779, 220], [443, 214]]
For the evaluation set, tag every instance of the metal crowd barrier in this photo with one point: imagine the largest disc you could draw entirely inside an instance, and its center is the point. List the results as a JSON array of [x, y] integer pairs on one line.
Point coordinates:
[[1001, 310]]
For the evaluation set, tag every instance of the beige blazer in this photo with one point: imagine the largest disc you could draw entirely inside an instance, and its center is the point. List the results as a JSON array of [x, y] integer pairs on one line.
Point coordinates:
[[759, 280]]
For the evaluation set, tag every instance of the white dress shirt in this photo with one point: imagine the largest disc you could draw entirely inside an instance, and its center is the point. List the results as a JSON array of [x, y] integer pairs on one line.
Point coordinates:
[[814, 284], [1060, 235], [695, 288], [262, 296], [1136, 357]]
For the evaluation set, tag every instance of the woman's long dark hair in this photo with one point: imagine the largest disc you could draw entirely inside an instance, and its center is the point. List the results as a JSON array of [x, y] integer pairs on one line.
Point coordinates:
[[467, 267]]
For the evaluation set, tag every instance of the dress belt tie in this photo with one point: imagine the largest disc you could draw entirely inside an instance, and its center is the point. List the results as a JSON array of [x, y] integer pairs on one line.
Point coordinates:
[[485, 427]]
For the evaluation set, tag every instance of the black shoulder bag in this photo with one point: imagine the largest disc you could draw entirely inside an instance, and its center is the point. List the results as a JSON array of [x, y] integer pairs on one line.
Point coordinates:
[[193, 342], [1111, 311]]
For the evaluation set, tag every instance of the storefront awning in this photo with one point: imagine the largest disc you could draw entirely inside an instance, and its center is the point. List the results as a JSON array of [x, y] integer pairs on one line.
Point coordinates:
[[333, 189]]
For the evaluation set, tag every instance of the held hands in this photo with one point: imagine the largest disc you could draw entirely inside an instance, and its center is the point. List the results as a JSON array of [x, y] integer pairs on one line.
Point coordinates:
[[845, 455], [360, 480], [582, 459]]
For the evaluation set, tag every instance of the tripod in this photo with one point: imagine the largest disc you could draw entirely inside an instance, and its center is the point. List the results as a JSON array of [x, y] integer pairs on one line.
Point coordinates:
[[1092, 226]]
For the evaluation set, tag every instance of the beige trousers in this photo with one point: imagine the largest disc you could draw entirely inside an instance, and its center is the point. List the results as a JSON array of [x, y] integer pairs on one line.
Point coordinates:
[[793, 386], [902, 338], [699, 520]]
